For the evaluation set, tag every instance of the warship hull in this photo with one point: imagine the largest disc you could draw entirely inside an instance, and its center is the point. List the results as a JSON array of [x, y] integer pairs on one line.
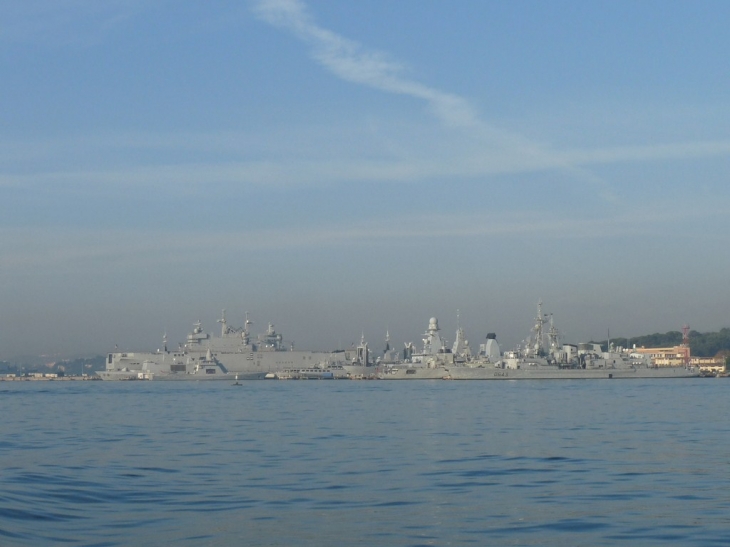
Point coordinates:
[[548, 373], [122, 375], [221, 366]]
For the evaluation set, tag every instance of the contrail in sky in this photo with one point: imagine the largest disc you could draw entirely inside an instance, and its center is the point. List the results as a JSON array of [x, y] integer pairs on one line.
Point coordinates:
[[350, 61]]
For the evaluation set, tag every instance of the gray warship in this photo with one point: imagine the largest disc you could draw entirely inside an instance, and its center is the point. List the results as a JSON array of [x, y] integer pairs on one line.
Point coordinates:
[[234, 355], [541, 356]]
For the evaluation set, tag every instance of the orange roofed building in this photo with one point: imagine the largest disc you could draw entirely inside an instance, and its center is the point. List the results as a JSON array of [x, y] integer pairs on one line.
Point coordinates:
[[676, 356]]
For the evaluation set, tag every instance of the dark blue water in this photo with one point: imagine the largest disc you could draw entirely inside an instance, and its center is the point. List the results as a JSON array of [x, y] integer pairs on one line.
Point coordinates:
[[551, 463]]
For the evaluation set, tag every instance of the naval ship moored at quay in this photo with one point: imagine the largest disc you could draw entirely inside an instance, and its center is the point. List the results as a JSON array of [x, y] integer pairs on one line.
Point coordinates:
[[236, 355], [541, 356]]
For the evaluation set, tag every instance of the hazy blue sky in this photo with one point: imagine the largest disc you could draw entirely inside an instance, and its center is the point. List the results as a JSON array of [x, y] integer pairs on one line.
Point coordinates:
[[341, 168]]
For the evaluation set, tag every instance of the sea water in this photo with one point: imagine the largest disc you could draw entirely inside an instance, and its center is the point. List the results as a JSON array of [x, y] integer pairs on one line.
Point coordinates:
[[338, 463]]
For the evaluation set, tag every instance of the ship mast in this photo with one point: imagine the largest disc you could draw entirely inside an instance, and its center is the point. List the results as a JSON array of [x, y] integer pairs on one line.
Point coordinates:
[[537, 329], [222, 321], [553, 336], [247, 324]]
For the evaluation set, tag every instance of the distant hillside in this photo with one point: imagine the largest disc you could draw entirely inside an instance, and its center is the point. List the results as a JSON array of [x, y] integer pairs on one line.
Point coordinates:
[[706, 344]]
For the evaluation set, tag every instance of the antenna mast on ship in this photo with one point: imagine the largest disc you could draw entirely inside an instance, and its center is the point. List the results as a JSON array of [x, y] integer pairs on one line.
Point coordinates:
[[539, 321], [553, 336], [461, 344], [222, 321], [247, 324]]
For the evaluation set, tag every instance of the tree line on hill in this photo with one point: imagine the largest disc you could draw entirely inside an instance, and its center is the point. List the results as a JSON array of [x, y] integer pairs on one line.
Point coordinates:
[[707, 344]]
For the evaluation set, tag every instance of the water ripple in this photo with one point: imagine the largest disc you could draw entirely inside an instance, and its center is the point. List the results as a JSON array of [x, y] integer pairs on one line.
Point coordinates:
[[365, 463]]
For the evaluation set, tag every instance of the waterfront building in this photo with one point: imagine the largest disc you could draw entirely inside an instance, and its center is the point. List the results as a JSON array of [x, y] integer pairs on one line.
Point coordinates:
[[675, 356]]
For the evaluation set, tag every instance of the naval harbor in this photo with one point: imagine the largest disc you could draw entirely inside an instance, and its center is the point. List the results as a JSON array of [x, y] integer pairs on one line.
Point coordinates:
[[236, 354]]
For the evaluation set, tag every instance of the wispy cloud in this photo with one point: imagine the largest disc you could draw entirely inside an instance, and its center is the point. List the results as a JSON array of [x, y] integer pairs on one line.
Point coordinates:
[[673, 151], [501, 151], [76, 248], [64, 22], [223, 160], [352, 62], [462, 145]]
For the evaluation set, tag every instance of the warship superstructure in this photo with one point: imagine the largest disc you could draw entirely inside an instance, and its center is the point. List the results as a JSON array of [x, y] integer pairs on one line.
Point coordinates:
[[235, 354]]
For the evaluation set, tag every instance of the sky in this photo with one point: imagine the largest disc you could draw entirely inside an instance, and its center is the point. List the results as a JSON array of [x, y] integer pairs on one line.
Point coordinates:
[[343, 169]]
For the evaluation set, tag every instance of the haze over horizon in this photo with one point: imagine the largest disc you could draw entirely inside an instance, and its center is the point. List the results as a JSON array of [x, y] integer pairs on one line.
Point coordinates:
[[344, 168]]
